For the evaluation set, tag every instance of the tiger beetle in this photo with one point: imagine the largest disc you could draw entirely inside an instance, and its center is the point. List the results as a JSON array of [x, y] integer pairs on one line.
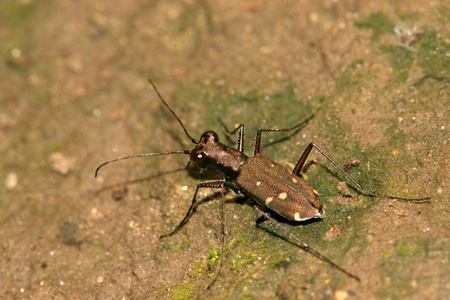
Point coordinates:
[[273, 187]]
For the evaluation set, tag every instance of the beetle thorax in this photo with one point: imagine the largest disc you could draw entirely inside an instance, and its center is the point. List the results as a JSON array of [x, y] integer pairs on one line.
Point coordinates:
[[209, 152]]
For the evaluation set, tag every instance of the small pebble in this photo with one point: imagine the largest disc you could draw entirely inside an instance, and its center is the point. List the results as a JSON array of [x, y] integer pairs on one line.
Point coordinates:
[[11, 180]]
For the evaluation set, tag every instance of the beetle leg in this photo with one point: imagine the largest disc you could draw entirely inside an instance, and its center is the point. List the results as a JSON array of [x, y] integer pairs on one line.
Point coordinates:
[[302, 160], [208, 184], [240, 139], [304, 245], [258, 134], [305, 154], [223, 238]]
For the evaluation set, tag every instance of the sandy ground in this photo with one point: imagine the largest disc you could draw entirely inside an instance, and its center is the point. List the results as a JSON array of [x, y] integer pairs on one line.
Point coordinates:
[[74, 93]]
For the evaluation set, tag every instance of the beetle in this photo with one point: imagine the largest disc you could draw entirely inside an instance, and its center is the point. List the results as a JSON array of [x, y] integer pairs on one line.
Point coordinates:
[[273, 187]]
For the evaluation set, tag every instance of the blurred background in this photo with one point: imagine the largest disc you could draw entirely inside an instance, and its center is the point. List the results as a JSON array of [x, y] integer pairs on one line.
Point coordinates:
[[74, 93]]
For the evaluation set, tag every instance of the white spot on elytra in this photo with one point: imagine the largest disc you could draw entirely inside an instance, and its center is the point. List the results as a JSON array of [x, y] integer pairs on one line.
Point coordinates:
[[258, 183], [268, 200], [282, 196], [272, 165], [297, 217], [294, 180], [315, 192]]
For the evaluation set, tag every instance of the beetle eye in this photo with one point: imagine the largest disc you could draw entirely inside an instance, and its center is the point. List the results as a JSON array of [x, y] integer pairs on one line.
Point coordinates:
[[209, 135], [197, 157]]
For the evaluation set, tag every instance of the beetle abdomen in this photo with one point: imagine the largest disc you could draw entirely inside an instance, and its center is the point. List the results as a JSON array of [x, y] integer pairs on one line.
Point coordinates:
[[280, 190]]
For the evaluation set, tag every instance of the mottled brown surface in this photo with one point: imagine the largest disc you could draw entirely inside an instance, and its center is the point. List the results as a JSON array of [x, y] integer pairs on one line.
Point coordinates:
[[74, 93]]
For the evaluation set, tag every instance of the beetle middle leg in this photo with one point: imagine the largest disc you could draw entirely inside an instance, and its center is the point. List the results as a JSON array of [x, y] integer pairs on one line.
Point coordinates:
[[258, 134]]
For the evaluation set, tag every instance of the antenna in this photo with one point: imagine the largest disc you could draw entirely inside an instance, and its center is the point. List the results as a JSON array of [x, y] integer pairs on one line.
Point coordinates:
[[173, 113]]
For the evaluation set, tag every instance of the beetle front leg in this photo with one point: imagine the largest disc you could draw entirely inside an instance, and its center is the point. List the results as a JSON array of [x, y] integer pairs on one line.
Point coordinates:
[[208, 184], [240, 139]]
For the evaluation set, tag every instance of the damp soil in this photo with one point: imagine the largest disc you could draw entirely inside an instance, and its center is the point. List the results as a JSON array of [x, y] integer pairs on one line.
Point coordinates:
[[74, 93]]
